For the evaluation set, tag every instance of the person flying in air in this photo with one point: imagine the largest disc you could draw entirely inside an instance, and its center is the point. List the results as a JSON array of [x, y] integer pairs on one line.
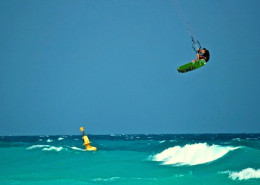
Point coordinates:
[[203, 57], [202, 54]]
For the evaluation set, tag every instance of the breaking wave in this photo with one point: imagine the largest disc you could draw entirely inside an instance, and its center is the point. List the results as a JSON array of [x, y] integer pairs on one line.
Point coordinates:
[[192, 154], [45, 148], [245, 174]]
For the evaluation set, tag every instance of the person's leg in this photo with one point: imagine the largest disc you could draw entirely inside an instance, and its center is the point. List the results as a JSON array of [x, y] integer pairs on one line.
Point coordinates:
[[198, 57]]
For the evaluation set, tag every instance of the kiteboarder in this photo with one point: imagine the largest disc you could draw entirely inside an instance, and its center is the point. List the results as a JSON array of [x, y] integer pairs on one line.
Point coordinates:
[[202, 54], [202, 59]]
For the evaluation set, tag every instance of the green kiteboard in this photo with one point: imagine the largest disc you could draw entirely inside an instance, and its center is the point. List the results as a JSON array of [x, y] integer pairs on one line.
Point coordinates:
[[191, 66]]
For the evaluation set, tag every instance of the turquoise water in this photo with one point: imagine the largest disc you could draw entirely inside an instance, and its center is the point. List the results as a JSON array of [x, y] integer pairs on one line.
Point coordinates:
[[211, 159]]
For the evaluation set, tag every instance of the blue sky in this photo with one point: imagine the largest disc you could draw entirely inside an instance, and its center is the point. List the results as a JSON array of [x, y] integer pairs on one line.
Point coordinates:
[[111, 66]]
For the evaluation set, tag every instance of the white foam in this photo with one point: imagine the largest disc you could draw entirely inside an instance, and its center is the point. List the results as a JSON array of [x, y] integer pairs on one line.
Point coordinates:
[[37, 146], [53, 148], [236, 139], [45, 147], [163, 141], [49, 140], [192, 154], [60, 138], [245, 174], [76, 148], [111, 179]]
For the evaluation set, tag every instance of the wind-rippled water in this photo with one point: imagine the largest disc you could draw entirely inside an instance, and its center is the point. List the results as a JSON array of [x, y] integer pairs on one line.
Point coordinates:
[[198, 159]]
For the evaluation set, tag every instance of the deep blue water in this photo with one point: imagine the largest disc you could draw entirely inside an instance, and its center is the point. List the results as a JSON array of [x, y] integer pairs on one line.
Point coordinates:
[[198, 159]]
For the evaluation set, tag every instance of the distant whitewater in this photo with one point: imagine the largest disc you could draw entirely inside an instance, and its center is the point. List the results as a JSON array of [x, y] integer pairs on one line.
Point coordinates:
[[210, 159]]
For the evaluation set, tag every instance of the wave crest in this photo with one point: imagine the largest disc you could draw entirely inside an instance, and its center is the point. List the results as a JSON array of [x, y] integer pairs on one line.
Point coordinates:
[[245, 174], [45, 148], [36, 146], [53, 148], [76, 148], [192, 154], [111, 179]]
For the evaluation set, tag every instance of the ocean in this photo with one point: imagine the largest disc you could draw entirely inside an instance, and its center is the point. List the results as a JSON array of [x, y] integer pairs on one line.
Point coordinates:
[[188, 159]]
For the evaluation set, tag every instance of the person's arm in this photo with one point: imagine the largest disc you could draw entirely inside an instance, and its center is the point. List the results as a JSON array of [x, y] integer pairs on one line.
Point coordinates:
[[198, 50], [198, 54]]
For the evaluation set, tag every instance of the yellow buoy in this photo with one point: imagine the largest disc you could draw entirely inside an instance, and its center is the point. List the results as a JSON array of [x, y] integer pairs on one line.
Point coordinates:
[[86, 141]]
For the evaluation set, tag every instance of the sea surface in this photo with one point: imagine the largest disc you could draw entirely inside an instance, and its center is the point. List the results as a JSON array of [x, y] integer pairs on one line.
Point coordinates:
[[189, 159]]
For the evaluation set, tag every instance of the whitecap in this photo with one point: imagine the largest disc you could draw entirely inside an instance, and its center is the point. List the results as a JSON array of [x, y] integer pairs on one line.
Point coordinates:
[[236, 139], [53, 148], [76, 148], [60, 138], [37, 146], [146, 179], [192, 154], [245, 174], [49, 140], [111, 179], [162, 141]]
